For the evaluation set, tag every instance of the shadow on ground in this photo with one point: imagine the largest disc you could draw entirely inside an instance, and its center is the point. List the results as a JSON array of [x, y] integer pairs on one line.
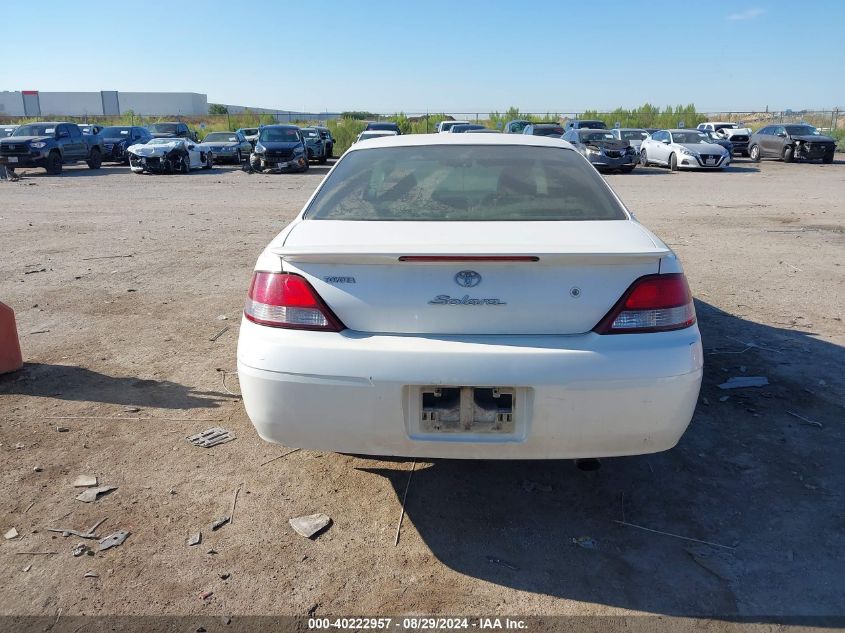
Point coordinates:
[[747, 475], [68, 382]]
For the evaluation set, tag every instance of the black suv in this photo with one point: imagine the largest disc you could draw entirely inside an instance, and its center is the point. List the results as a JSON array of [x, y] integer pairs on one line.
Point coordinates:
[[172, 129], [791, 141]]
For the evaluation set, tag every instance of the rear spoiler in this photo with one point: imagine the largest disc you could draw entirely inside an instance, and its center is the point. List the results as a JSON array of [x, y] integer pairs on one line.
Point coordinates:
[[341, 255]]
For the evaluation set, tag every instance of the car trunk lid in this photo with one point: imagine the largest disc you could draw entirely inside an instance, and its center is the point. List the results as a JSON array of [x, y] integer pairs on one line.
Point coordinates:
[[470, 277]]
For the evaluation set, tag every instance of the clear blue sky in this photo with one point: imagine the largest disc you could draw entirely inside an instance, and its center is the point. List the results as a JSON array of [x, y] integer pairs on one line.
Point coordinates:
[[454, 55]]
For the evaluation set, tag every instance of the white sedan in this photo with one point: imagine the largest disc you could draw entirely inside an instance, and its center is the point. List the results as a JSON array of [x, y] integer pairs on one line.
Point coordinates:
[[683, 149], [469, 296], [168, 155]]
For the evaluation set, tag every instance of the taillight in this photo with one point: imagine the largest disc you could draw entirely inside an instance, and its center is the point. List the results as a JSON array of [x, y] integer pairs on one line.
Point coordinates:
[[288, 301], [654, 303]]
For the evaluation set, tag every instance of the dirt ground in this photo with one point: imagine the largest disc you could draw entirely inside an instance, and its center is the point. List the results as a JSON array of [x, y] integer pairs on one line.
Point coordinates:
[[119, 283]]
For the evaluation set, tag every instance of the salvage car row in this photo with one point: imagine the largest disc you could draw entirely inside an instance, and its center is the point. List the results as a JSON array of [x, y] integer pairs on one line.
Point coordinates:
[[161, 147], [173, 147]]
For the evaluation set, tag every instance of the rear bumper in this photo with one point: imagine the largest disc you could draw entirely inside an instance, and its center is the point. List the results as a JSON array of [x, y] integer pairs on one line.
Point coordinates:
[[581, 396]]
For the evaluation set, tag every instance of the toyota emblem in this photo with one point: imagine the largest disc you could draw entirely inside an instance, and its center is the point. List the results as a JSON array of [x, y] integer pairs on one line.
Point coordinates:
[[467, 279]]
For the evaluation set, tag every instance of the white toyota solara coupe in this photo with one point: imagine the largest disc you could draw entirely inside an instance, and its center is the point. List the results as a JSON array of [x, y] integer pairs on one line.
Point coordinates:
[[469, 296]]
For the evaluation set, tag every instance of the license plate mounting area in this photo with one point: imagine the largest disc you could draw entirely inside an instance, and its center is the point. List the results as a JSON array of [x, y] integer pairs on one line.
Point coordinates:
[[468, 410]]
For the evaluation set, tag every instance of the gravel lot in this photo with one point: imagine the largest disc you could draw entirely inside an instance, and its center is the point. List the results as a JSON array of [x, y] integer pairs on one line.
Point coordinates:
[[119, 282]]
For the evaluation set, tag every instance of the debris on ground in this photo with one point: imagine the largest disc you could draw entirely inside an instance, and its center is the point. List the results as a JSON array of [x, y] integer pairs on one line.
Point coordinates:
[[91, 574], [85, 481], [211, 437], [499, 561], [90, 533], [205, 595], [219, 523], [310, 525], [534, 486], [80, 549], [740, 382], [62, 429], [225, 576], [211, 551], [132, 409], [9, 535], [222, 317], [92, 494], [195, 539], [219, 334], [27, 568], [587, 542], [270, 461], [678, 536], [806, 420], [113, 540]]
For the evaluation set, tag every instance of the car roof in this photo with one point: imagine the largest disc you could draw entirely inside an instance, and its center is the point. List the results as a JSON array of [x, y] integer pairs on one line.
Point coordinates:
[[630, 129], [280, 126], [417, 140]]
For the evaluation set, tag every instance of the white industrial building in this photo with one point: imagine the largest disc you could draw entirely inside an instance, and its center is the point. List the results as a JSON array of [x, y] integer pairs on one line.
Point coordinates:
[[106, 102]]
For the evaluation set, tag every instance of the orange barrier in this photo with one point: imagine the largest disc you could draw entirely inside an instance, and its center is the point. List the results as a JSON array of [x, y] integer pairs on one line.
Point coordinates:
[[10, 346]]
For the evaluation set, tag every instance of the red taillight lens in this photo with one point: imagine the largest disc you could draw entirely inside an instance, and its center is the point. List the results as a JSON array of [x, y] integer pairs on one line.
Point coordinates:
[[288, 301], [654, 303]]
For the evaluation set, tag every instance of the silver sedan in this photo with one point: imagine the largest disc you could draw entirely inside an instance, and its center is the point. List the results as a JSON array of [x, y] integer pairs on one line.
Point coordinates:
[[683, 149]]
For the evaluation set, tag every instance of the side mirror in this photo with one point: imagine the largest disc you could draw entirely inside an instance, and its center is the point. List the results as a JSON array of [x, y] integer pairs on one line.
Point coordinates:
[[782, 134], [191, 146], [665, 141]]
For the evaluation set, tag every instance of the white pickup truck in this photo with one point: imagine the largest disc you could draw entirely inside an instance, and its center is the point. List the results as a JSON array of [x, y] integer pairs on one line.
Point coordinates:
[[733, 132]]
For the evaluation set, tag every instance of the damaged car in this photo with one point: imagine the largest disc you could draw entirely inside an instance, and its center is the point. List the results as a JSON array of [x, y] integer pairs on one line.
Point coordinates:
[[791, 142], [604, 151], [281, 148], [169, 155]]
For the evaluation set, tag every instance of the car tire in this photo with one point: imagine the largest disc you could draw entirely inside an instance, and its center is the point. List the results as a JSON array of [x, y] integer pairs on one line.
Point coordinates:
[[828, 158], [673, 162], [54, 163], [185, 164], [255, 162], [96, 159], [209, 161], [755, 154], [307, 167], [643, 158], [323, 159], [309, 155], [238, 158], [788, 155], [330, 151]]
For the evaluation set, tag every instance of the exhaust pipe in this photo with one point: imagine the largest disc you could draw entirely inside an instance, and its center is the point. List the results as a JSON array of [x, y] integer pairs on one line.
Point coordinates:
[[588, 464]]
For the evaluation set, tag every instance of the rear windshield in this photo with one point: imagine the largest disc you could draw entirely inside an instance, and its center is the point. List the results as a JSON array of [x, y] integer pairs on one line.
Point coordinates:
[[163, 128], [464, 183], [115, 132]]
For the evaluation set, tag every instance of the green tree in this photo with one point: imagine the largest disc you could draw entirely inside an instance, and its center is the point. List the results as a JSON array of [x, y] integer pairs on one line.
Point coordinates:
[[217, 108]]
